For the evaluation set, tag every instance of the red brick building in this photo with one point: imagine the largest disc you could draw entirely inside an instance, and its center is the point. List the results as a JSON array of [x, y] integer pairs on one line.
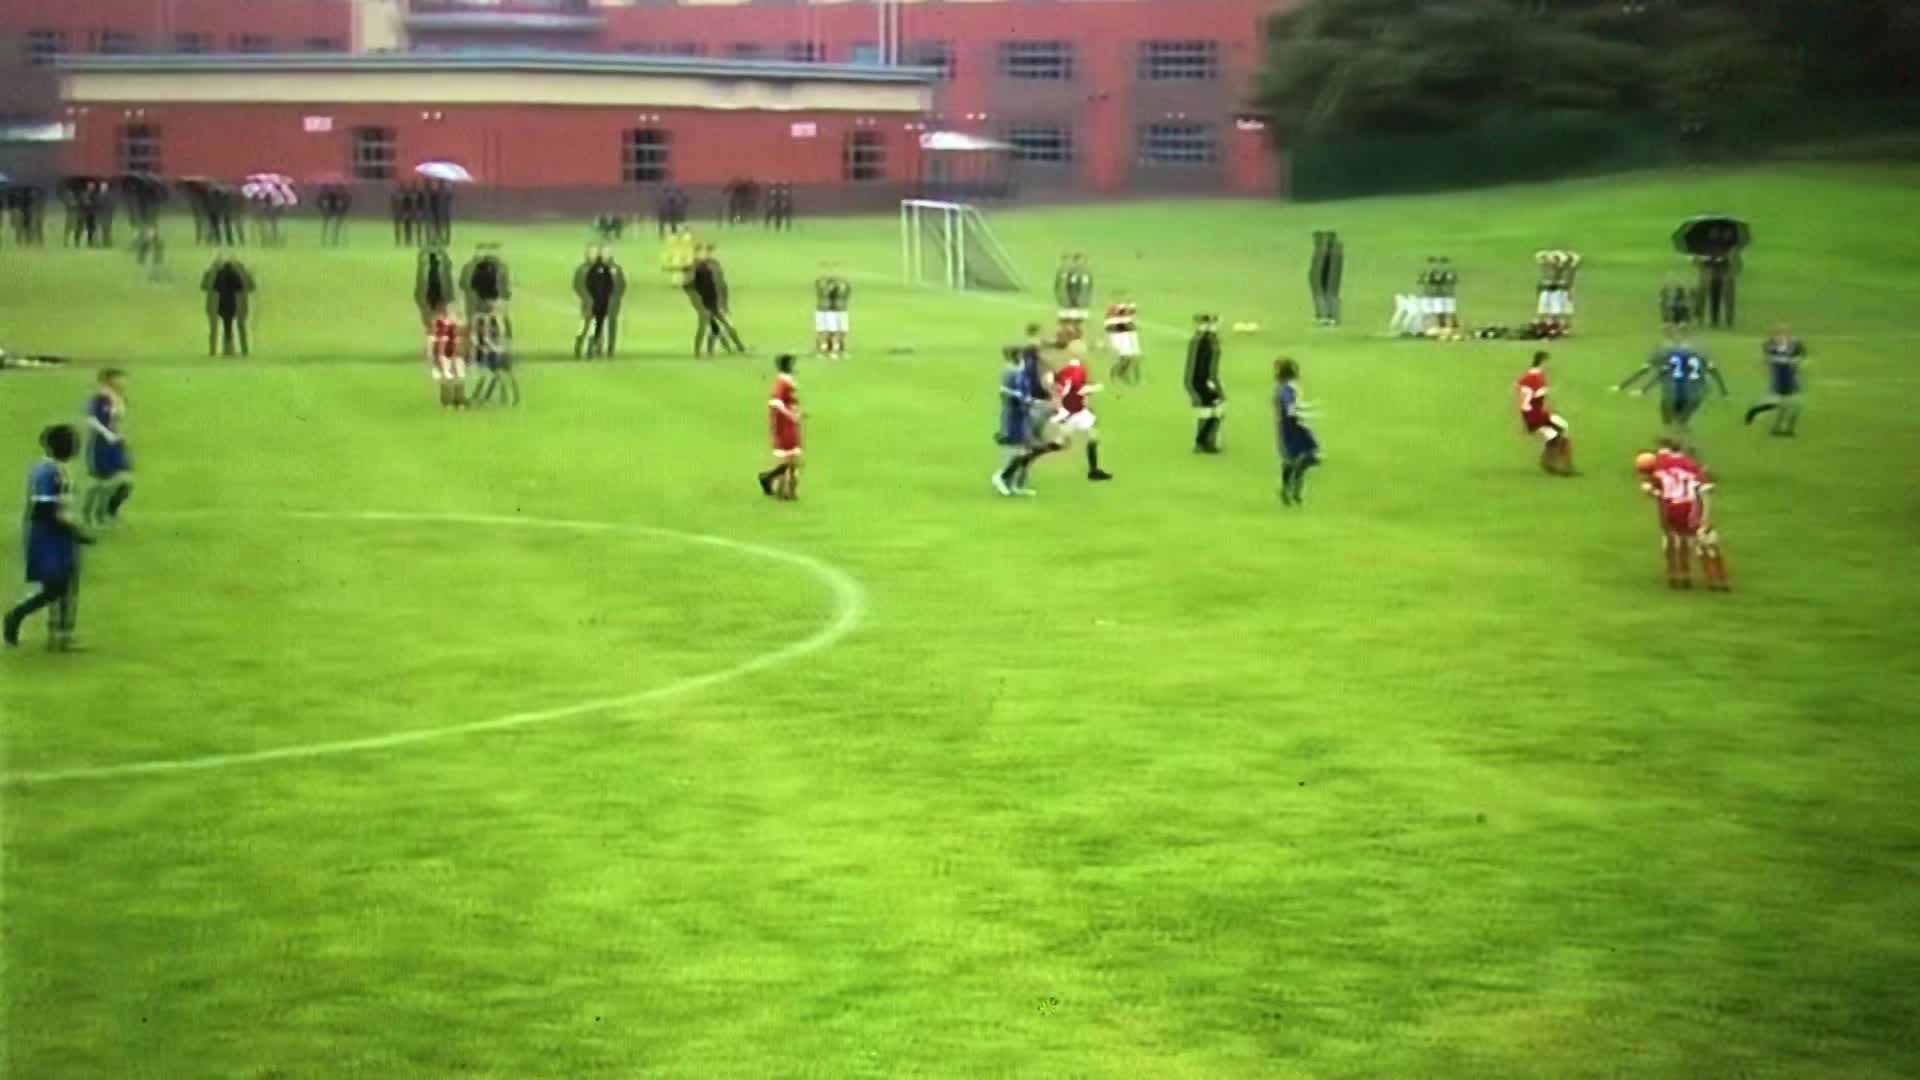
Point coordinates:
[[526, 120], [1102, 95]]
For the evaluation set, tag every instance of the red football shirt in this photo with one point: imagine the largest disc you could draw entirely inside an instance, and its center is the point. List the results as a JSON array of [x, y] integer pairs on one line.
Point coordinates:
[[783, 406], [445, 336], [1533, 394], [1678, 479], [1071, 384]]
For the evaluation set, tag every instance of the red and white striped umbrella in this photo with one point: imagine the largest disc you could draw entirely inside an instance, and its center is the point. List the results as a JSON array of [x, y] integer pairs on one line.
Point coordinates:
[[274, 189]]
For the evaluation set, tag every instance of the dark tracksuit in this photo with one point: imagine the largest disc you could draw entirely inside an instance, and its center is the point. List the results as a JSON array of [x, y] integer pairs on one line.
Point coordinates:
[[1203, 388], [1717, 276], [708, 288], [229, 288], [432, 283], [600, 285]]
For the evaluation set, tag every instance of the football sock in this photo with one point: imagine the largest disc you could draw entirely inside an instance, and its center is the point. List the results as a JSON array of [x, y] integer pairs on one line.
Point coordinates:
[[1093, 457], [1760, 408], [119, 499], [1287, 469], [1200, 432]]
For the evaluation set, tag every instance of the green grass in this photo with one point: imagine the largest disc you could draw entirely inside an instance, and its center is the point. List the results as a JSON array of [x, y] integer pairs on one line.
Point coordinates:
[[1432, 778]]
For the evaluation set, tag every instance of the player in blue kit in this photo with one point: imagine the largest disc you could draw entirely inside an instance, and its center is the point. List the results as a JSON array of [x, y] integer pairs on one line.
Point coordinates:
[[52, 543], [1299, 450], [1785, 353], [1682, 372], [1020, 394], [109, 462]]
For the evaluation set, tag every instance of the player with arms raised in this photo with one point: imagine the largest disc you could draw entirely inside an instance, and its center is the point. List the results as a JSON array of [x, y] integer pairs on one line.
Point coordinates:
[[1074, 419], [783, 419], [1679, 485], [1556, 453]]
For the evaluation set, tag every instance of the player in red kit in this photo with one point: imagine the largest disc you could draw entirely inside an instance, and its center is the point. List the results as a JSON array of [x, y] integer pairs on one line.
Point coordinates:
[[446, 358], [783, 422], [1679, 485], [1073, 418], [1556, 456]]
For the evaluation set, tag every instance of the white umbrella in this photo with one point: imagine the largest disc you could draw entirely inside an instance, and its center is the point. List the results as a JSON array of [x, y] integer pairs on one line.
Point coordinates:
[[444, 170], [274, 189]]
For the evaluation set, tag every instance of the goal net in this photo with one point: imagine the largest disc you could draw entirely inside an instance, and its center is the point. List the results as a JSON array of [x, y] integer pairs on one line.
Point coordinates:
[[949, 245]]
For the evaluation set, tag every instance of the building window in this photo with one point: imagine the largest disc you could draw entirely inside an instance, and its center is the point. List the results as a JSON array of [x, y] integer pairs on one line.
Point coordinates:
[[803, 52], [1177, 144], [866, 156], [1051, 60], [933, 54], [192, 43], [864, 52], [745, 50], [1048, 145], [1179, 61], [116, 43], [373, 153], [44, 45], [644, 160], [323, 44], [251, 43], [139, 148]]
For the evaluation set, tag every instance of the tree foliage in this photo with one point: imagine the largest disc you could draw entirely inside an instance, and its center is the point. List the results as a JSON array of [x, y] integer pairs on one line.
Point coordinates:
[[1343, 66]]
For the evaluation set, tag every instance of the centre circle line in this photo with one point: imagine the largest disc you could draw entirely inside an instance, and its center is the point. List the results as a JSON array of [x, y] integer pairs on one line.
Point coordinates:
[[849, 609]]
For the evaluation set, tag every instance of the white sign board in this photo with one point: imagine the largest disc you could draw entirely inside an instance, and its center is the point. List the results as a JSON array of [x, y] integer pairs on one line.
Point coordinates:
[[804, 129], [317, 125]]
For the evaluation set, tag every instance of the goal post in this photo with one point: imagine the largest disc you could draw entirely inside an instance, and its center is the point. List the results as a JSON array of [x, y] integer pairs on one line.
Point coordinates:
[[949, 245]]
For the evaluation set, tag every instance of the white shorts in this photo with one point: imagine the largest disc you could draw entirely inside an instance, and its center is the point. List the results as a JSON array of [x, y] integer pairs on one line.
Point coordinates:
[[1556, 302], [1555, 428], [1427, 305], [1073, 314], [829, 322], [1125, 343], [1076, 423], [1448, 305]]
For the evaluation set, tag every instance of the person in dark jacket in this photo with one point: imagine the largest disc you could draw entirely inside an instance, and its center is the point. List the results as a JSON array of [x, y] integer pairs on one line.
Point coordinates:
[[601, 285], [432, 283], [229, 287], [1203, 383], [707, 288], [334, 203]]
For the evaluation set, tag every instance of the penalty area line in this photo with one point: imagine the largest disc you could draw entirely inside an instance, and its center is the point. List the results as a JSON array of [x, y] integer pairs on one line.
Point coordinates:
[[849, 610]]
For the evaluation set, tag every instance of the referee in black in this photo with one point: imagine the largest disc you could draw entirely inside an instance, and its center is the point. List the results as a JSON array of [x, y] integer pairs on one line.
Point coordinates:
[[601, 285], [1717, 274], [1203, 383], [229, 288], [486, 287]]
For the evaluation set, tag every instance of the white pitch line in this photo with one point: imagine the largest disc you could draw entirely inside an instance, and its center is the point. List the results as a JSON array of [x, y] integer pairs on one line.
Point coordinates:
[[849, 608]]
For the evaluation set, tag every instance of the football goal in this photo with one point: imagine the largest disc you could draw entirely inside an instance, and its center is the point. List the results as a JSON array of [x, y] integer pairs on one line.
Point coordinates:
[[949, 245]]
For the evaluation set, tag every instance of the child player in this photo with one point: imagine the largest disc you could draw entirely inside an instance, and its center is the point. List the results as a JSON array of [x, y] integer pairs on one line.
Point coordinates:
[[1679, 485], [831, 294], [1299, 450], [1074, 419], [445, 360], [1785, 353], [53, 543], [108, 459], [1556, 453], [1123, 337], [493, 354], [783, 420], [1682, 372]]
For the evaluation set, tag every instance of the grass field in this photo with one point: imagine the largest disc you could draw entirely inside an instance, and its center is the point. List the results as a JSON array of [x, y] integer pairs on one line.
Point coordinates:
[[1431, 778]]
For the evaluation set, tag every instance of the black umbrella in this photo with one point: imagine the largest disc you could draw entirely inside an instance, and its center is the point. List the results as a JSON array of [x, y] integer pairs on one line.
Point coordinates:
[[1711, 234]]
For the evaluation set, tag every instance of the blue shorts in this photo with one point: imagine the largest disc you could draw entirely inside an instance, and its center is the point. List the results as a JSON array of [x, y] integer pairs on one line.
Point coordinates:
[[1297, 443], [51, 558], [1783, 379], [107, 460]]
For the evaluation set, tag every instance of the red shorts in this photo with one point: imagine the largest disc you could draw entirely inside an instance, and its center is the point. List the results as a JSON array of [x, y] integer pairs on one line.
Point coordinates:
[[1537, 422], [786, 438], [1680, 517]]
